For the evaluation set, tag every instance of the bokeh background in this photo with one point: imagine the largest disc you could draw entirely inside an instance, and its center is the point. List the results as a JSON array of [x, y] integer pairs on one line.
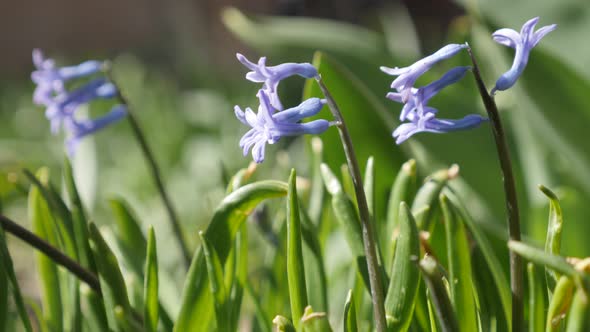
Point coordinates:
[[175, 60]]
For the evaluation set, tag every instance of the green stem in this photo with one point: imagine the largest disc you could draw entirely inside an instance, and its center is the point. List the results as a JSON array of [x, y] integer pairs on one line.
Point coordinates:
[[153, 167], [51, 252], [367, 228], [516, 264]]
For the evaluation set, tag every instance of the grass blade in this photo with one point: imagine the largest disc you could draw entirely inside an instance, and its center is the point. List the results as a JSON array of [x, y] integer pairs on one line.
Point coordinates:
[[459, 260], [402, 190], [427, 196], [111, 279], [295, 266], [536, 299], [346, 214], [350, 314], [439, 296], [42, 224], [559, 304], [196, 304], [554, 227], [8, 268], [150, 293], [369, 185], [579, 315], [216, 284], [405, 277]]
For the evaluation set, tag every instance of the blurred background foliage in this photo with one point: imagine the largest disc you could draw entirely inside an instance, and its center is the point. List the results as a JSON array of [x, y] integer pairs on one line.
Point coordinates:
[[175, 62]]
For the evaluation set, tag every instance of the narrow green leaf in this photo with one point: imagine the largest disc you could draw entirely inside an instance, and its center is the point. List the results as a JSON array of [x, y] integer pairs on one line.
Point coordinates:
[[427, 195], [197, 304], [236, 289], [350, 314], [315, 272], [346, 214], [431, 313], [42, 224], [348, 184], [216, 284], [559, 304], [439, 296], [150, 293], [369, 185], [125, 321], [402, 190], [405, 276], [95, 314], [261, 316], [579, 315], [492, 261], [459, 260], [240, 178], [314, 321], [538, 256], [295, 266], [317, 191], [8, 268], [112, 283], [79, 221], [554, 227], [130, 235], [536, 299], [283, 324]]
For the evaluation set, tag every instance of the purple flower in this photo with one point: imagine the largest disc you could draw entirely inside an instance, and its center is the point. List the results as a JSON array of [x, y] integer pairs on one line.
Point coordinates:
[[522, 42], [271, 76], [51, 80], [428, 91], [427, 122], [62, 104], [77, 129], [407, 76], [269, 126], [65, 104]]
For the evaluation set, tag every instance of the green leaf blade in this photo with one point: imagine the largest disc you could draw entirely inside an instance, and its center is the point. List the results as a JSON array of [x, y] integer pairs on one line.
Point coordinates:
[[150, 293]]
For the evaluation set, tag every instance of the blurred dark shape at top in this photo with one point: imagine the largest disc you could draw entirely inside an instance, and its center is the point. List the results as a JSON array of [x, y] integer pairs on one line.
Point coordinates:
[[185, 36]]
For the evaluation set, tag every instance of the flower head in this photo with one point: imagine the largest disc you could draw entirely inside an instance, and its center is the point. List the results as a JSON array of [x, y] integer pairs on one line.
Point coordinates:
[[272, 75], [51, 80], [62, 103], [77, 129], [522, 42], [269, 126], [407, 76], [423, 95]]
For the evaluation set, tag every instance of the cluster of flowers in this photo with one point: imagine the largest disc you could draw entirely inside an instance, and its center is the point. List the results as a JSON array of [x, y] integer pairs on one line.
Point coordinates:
[[421, 117], [272, 122], [61, 104]]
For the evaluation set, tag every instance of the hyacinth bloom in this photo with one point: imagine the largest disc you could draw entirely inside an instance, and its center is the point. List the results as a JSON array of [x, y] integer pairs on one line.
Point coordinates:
[[427, 122], [51, 80], [407, 76], [62, 104], [522, 42], [77, 129], [268, 126], [272, 75], [423, 95]]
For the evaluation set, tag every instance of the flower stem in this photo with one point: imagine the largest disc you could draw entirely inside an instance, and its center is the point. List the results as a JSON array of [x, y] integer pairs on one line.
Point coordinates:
[[51, 252], [367, 228], [516, 264], [153, 167]]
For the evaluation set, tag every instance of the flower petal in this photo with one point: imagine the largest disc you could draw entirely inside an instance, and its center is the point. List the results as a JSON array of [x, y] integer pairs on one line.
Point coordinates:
[[507, 37]]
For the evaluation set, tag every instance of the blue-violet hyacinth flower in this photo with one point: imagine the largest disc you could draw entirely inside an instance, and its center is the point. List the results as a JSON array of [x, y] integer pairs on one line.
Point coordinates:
[[65, 104], [272, 75], [522, 42], [269, 126], [407, 76], [51, 80], [62, 104], [78, 128], [423, 95]]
